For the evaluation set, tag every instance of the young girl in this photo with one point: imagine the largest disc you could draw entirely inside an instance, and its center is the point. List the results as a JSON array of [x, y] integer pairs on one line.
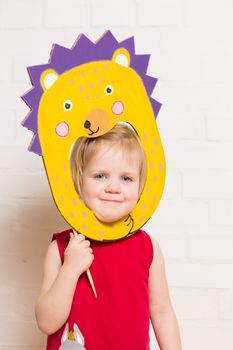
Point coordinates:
[[109, 173]]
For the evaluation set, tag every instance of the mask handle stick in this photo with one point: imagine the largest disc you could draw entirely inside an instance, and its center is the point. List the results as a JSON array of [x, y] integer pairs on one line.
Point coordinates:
[[89, 276], [90, 279]]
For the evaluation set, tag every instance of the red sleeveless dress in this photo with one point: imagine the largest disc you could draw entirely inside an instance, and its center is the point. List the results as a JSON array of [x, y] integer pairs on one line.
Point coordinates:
[[118, 319]]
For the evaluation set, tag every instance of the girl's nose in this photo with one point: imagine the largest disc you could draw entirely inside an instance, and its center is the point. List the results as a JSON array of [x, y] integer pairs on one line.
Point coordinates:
[[112, 187]]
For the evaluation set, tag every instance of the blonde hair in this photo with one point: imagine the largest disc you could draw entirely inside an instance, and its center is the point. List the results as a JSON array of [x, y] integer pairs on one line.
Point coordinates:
[[121, 134]]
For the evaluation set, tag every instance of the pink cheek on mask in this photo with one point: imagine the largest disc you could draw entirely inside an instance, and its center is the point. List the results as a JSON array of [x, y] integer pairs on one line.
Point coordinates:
[[117, 107], [62, 129]]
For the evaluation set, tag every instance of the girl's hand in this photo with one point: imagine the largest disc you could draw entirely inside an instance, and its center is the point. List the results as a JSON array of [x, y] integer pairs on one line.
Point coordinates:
[[78, 255]]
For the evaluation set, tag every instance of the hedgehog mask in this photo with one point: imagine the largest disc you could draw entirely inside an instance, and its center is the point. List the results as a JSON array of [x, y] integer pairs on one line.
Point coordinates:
[[85, 91]]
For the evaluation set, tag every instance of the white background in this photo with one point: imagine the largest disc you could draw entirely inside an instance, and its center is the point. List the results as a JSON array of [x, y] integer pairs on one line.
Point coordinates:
[[191, 42]]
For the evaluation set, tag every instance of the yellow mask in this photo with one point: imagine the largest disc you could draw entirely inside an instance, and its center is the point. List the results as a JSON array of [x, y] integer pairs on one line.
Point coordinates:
[[93, 86]]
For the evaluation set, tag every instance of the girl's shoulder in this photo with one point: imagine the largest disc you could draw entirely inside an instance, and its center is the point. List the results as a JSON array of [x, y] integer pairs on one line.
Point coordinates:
[[62, 240], [63, 235], [143, 241]]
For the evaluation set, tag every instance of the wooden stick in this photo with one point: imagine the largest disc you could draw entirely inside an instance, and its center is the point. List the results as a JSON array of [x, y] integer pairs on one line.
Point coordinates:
[[89, 276], [90, 279]]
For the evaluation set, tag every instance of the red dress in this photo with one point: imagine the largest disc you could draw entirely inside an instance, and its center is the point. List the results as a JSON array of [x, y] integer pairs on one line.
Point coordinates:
[[118, 319]]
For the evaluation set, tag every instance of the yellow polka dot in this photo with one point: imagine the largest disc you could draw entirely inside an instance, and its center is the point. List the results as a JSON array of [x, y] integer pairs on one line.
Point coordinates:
[[105, 68], [101, 233], [98, 223], [81, 88], [71, 214], [160, 167], [84, 227], [111, 225], [65, 167], [82, 73], [145, 137], [156, 142], [148, 189], [84, 214], [91, 86], [66, 184], [62, 198], [151, 166], [141, 219], [88, 98], [101, 80], [144, 206], [94, 70], [56, 178], [97, 95], [155, 178], [154, 198], [153, 152], [74, 201], [72, 82]]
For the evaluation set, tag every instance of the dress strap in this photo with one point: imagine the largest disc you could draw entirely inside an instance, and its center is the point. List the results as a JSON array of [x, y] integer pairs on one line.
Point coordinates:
[[62, 239]]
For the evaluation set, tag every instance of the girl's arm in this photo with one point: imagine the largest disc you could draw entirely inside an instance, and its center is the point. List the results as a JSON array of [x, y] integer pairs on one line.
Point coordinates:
[[162, 315], [59, 282]]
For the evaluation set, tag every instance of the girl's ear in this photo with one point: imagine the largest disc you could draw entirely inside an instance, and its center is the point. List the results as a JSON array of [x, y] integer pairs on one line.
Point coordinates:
[[48, 78], [122, 57]]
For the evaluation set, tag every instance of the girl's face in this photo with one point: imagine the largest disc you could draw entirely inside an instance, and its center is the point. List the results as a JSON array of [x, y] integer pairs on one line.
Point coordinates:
[[111, 182]]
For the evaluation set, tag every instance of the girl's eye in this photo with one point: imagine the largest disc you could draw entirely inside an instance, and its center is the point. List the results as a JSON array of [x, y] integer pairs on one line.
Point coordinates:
[[127, 179], [67, 105], [99, 176], [108, 89]]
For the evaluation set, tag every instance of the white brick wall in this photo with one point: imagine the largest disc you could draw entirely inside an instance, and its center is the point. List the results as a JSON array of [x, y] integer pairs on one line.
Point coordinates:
[[192, 54]]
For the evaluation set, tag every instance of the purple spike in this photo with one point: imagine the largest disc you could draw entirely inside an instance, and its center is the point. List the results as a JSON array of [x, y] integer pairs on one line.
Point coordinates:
[[107, 39], [35, 72], [61, 59], [106, 45], [128, 44], [32, 97], [82, 43], [23, 122], [24, 97], [149, 83], [30, 121], [58, 51], [156, 106], [140, 63], [35, 145]]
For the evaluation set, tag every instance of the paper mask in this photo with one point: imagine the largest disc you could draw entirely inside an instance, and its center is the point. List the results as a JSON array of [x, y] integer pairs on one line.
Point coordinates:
[[85, 91]]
